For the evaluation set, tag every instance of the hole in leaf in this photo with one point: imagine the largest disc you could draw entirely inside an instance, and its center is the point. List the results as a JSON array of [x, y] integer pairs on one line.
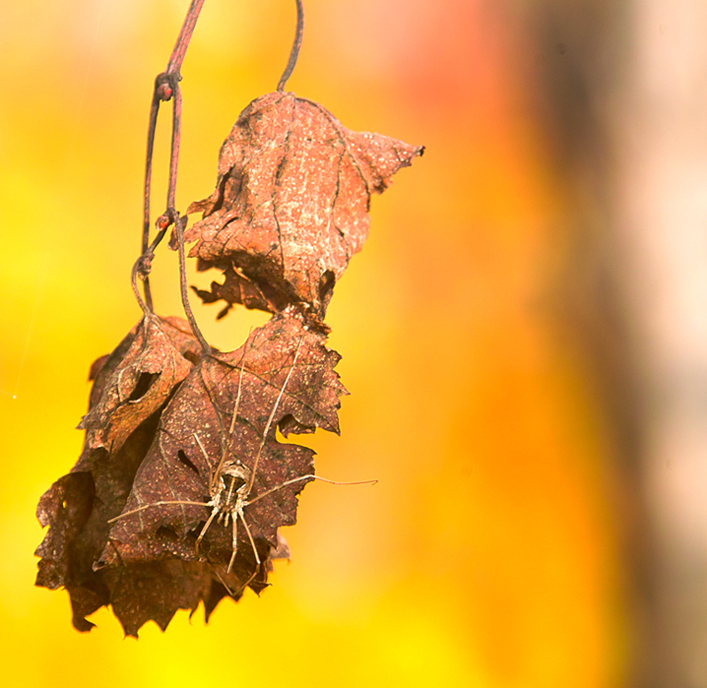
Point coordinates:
[[143, 385], [192, 357], [186, 461], [288, 424]]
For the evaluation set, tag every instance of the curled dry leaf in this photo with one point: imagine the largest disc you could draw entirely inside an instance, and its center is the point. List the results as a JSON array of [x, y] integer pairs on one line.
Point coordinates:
[[124, 526], [131, 386], [291, 203], [137, 379], [283, 376], [182, 485], [77, 508]]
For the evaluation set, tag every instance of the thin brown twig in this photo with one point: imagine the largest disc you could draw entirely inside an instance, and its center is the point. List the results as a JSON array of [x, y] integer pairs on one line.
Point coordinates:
[[182, 43], [143, 264], [174, 152], [294, 53], [166, 87], [136, 291], [151, 128], [179, 224]]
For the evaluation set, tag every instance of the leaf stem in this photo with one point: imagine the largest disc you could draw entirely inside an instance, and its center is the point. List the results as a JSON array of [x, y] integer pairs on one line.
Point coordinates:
[[174, 152], [154, 108], [294, 53], [142, 267], [182, 43], [166, 87], [179, 225]]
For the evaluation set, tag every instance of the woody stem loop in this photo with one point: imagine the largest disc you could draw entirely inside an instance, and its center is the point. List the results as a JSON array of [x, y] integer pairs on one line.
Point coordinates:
[[166, 88]]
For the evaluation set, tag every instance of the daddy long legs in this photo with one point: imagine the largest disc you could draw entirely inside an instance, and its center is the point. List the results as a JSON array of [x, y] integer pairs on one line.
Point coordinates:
[[235, 482]]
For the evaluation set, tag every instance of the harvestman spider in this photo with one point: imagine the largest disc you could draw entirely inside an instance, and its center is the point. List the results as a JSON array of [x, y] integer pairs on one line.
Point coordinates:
[[230, 484]]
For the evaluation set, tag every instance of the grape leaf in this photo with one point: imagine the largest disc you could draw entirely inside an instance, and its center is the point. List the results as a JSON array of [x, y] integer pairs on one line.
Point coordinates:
[[138, 379], [77, 508], [291, 203], [283, 369], [145, 563], [120, 427]]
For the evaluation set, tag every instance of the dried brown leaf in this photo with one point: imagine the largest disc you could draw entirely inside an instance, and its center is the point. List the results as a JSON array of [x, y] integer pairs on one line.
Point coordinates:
[[138, 379], [77, 509], [281, 377], [120, 430], [291, 203]]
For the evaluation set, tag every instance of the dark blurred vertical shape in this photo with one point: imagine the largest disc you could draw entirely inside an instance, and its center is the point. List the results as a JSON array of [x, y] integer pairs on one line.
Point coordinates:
[[625, 99]]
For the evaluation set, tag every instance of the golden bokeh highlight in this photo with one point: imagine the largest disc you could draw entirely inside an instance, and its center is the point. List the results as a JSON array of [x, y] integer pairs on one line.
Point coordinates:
[[486, 554]]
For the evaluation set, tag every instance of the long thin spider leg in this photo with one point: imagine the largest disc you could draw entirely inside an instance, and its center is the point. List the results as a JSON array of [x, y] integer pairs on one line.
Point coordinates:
[[252, 542], [270, 419], [307, 477], [204, 529], [255, 552], [149, 506], [223, 582], [212, 474], [238, 395], [235, 414], [234, 547]]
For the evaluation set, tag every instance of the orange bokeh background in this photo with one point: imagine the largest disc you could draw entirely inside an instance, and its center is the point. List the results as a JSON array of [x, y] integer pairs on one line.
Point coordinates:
[[487, 553]]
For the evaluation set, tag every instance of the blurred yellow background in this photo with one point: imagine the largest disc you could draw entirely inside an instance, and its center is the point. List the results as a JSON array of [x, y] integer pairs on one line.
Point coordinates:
[[487, 553]]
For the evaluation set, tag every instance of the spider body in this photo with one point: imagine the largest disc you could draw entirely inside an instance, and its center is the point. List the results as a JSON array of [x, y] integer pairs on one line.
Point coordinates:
[[229, 496], [229, 493], [230, 487]]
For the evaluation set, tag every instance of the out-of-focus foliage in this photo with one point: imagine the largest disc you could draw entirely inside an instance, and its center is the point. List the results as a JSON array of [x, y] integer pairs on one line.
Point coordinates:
[[485, 556]]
